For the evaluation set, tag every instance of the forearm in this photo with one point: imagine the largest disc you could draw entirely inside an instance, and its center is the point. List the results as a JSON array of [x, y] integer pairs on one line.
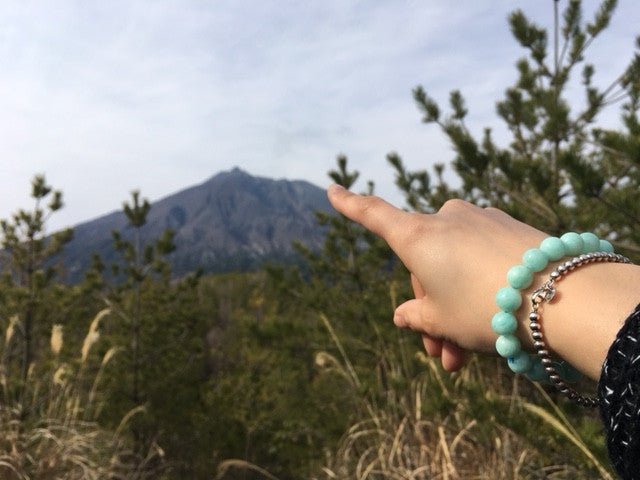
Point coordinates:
[[589, 308]]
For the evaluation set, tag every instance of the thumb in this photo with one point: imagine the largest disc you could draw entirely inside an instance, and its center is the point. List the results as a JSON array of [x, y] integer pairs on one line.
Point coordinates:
[[418, 316]]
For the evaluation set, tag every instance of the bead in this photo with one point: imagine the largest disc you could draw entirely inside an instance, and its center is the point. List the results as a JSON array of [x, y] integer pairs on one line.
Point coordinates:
[[536, 373], [569, 373], [586, 248], [503, 323], [508, 346], [519, 277], [573, 243], [591, 242], [535, 259], [555, 378], [553, 248], [539, 344], [605, 246], [508, 299], [520, 363]]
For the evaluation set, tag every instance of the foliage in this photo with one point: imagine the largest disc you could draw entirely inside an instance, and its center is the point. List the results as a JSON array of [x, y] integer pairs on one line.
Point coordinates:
[[298, 372], [160, 327], [466, 425], [27, 276], [51, 431], [560, 171]]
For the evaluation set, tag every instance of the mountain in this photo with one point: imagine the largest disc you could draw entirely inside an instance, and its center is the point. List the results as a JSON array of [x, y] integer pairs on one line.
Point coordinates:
[[233, 221]]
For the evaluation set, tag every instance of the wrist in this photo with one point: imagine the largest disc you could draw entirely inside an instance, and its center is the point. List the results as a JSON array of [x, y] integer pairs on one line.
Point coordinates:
[[582, 320]]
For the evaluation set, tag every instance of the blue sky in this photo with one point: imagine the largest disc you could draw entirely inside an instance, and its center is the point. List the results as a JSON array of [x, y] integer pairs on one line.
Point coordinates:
[[158, 95]]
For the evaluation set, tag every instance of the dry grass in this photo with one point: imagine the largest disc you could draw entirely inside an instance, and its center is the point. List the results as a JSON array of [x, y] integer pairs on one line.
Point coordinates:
[[48, 427], [452, 427], [472, 425]]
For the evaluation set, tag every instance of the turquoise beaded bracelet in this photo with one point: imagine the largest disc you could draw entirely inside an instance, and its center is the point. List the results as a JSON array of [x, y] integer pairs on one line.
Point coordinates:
[[509, 299]]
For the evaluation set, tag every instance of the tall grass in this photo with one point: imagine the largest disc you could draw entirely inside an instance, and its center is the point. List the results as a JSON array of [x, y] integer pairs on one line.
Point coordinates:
[[417, 422], [477, 424], [48, 424]]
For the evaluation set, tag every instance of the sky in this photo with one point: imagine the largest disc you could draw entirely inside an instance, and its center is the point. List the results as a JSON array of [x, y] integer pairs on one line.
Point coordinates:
[[159, 95]]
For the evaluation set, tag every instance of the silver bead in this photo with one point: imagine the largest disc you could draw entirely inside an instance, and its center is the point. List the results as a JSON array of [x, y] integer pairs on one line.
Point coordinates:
[[546, 361], [537, 335], [543, 353], [534, 316], [535, 326], [539, 345]]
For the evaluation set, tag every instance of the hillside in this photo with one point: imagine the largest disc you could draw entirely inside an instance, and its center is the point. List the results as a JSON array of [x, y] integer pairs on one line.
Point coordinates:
[[233, 221]]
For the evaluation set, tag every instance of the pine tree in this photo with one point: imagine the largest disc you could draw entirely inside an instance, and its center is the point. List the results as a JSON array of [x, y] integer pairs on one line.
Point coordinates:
[[161, 326], [560, 171], [139, 261], [28, 269], [350, 276]]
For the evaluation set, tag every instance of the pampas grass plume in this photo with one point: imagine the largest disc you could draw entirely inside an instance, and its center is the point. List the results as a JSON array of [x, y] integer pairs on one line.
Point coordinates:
[[56, 339], [11, 329], [93, 335]]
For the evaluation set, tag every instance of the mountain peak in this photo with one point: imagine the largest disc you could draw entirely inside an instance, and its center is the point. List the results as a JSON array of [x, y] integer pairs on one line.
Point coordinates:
[[234, 172], [233, 221]]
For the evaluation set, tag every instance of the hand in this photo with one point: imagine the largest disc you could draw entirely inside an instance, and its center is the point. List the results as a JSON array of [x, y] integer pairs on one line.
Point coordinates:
[[458, 259]]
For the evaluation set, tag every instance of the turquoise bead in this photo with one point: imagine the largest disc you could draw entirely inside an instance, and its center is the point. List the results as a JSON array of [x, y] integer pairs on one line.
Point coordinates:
[[508, 346], [535, 259], [504, 323], [553, 248], [519, 277], [605, 246], [569, 373], [537, 372], [573, 243], [520, 363], [591, 242], [508, 299]]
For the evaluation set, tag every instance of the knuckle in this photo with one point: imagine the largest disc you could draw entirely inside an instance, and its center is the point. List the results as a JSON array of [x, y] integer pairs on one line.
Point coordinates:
[[454, 205], [415, 230], [428, 322], [368, 205], [493, 211]]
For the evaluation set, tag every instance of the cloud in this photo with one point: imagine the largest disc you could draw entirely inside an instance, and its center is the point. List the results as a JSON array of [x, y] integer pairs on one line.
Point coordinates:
[[105, 97]]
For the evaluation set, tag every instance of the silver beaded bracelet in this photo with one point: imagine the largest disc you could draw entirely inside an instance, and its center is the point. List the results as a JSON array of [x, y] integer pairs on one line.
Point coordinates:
[[545, 294]]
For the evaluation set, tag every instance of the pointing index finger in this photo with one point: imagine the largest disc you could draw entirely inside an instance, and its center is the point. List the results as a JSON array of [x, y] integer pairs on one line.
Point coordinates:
[[371, 212]]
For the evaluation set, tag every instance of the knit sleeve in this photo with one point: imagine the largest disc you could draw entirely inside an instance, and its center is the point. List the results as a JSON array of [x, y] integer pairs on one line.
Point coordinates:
[[619, 393]]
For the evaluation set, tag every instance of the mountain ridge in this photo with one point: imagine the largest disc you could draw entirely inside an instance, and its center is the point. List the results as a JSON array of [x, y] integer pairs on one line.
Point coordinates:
[[231, 221]]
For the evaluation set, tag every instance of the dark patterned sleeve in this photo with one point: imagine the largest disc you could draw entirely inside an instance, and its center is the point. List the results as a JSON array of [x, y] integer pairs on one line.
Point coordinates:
[[619, 393]]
